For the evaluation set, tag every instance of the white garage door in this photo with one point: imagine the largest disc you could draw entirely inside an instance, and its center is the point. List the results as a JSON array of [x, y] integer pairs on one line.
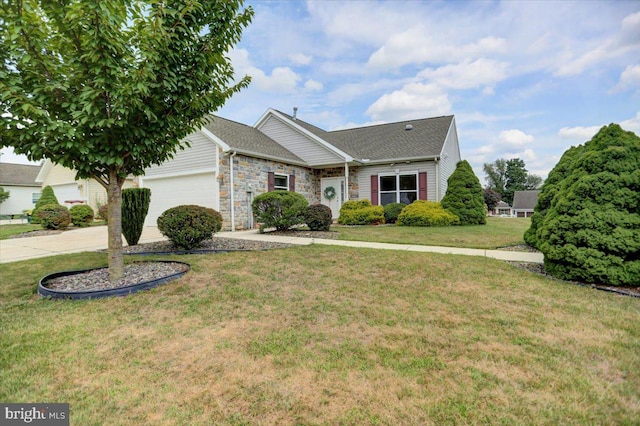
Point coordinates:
[[68, 192], [200, 189]]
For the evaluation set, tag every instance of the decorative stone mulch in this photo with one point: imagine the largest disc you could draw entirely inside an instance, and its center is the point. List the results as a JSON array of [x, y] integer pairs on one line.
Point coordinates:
[[214, 244], [98, 279], [38, 233]]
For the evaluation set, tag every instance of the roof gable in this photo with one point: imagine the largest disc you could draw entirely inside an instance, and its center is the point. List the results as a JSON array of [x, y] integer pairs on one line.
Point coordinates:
[[248, 140], [525, 200], [18, 174], [421, 138]]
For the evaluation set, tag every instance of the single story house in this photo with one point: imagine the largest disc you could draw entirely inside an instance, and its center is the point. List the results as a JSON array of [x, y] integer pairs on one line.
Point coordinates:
[[524, 202], [502, 209], [228, 163], [20, 181], [70, 191]]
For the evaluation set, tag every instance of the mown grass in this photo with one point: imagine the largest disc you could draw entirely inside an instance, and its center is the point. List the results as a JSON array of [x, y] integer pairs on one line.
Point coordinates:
[[498, 232], [325, 335], [7, 231]]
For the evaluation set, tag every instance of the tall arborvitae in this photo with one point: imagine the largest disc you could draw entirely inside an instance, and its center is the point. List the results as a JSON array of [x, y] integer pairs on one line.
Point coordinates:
[[135, 205]]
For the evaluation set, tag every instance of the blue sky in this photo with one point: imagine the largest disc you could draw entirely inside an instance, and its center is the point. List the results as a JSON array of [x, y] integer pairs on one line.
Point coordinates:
[[524, 79]]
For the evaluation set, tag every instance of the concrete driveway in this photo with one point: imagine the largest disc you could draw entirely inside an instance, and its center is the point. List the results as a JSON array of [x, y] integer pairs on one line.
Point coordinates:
[[73, 241]]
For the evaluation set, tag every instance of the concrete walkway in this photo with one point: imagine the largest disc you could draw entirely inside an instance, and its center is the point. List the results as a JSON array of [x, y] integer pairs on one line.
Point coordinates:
[[95, 238]]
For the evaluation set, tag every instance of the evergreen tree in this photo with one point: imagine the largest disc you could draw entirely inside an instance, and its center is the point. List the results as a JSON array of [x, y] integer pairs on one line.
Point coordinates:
[[464, 196], [46, 197], [135, 206], [591, 230]]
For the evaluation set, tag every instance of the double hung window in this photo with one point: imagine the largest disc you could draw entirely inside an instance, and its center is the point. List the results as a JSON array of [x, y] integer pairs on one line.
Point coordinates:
[[398, 188]]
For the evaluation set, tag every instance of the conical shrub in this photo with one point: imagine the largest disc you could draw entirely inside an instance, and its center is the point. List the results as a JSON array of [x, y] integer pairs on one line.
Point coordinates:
[[46, 198]]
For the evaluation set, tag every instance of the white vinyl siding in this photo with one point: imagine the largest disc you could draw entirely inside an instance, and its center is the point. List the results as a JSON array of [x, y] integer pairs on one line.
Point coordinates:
[[198, 189], [450, 157], [312, 152], [364, 176], [200, 157], [20, 198]]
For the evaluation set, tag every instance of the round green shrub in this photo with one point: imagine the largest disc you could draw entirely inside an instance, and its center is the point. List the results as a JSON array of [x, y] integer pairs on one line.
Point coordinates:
[[391, 211], [318, 217], [189, 225], [590, 231], [279, 209], [464, 196], [361, 213], [47, 197], [426, 213], [81, 215], [54, 216]]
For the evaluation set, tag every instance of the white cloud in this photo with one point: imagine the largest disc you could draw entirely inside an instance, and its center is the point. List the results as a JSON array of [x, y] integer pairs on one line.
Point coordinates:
[[417, 45], [632, 125], [313, 85], [467, 74], [515, 137], [281, 79], [413, 100], [579, 132], [300, 59], [629, 79]]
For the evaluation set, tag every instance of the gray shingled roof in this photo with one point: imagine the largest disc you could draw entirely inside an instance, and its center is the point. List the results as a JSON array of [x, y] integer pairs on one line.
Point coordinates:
[[249, 140], [525, 200], [388, 141], [18, 174]]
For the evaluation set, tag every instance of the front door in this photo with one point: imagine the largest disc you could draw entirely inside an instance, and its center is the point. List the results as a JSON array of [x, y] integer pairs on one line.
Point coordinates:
[[332, 194]]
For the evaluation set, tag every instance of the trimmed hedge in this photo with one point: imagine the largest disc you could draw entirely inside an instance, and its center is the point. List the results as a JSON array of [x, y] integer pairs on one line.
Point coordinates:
[[391, 211], [189, 225], [279, 209], [135, 205], [361, 213], [426, 213], [81, 215], [54, 216], [318, 217]]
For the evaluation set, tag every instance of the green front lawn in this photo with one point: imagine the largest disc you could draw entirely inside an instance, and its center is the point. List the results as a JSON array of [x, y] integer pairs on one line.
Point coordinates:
[[498, 232], [7, 231], [325, 335]]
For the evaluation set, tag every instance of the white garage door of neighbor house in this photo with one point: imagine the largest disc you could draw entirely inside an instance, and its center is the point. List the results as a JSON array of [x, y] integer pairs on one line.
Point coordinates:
[[201, 189], [67, 192]]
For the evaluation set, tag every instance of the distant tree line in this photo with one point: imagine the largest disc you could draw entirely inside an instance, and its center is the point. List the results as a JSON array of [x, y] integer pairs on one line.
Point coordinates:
[[504, 178]]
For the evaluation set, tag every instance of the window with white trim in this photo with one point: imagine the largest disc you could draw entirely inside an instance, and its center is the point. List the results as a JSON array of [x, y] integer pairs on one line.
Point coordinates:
[[398, 188], [281, 182]]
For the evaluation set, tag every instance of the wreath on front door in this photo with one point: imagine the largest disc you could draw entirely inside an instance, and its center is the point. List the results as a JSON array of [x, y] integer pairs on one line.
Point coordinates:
[[329, 193]]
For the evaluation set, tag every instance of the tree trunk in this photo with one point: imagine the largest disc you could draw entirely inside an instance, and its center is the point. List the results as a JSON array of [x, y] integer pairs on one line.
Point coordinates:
[[114, 197]]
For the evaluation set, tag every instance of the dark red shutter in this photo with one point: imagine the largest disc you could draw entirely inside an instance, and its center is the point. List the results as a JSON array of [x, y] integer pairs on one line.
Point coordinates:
[[422, 186], [292, 183], [271, 181], [374, 190]]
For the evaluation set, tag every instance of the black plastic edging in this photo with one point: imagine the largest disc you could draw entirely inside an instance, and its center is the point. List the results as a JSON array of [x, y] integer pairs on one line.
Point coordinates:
[[96, 294]]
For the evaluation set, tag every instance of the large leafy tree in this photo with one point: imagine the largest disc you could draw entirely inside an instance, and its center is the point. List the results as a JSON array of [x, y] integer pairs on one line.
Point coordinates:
[[508, 176], [589, 223], [464, 196], [515, 179], [109, 88]]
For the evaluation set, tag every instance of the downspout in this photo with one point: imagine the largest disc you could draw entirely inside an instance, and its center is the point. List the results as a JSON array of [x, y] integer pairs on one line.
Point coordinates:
[[346, 183], [437, 160], [231, 191]]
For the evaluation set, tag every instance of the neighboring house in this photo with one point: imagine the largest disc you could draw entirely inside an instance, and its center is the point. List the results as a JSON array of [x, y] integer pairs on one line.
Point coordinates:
[[70, 191], [502, 209], [524, 202], [229, 163], [20, 181]]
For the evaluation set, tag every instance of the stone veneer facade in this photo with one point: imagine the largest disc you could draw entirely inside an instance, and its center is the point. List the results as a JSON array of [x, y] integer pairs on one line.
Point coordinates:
[[251, 180]]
